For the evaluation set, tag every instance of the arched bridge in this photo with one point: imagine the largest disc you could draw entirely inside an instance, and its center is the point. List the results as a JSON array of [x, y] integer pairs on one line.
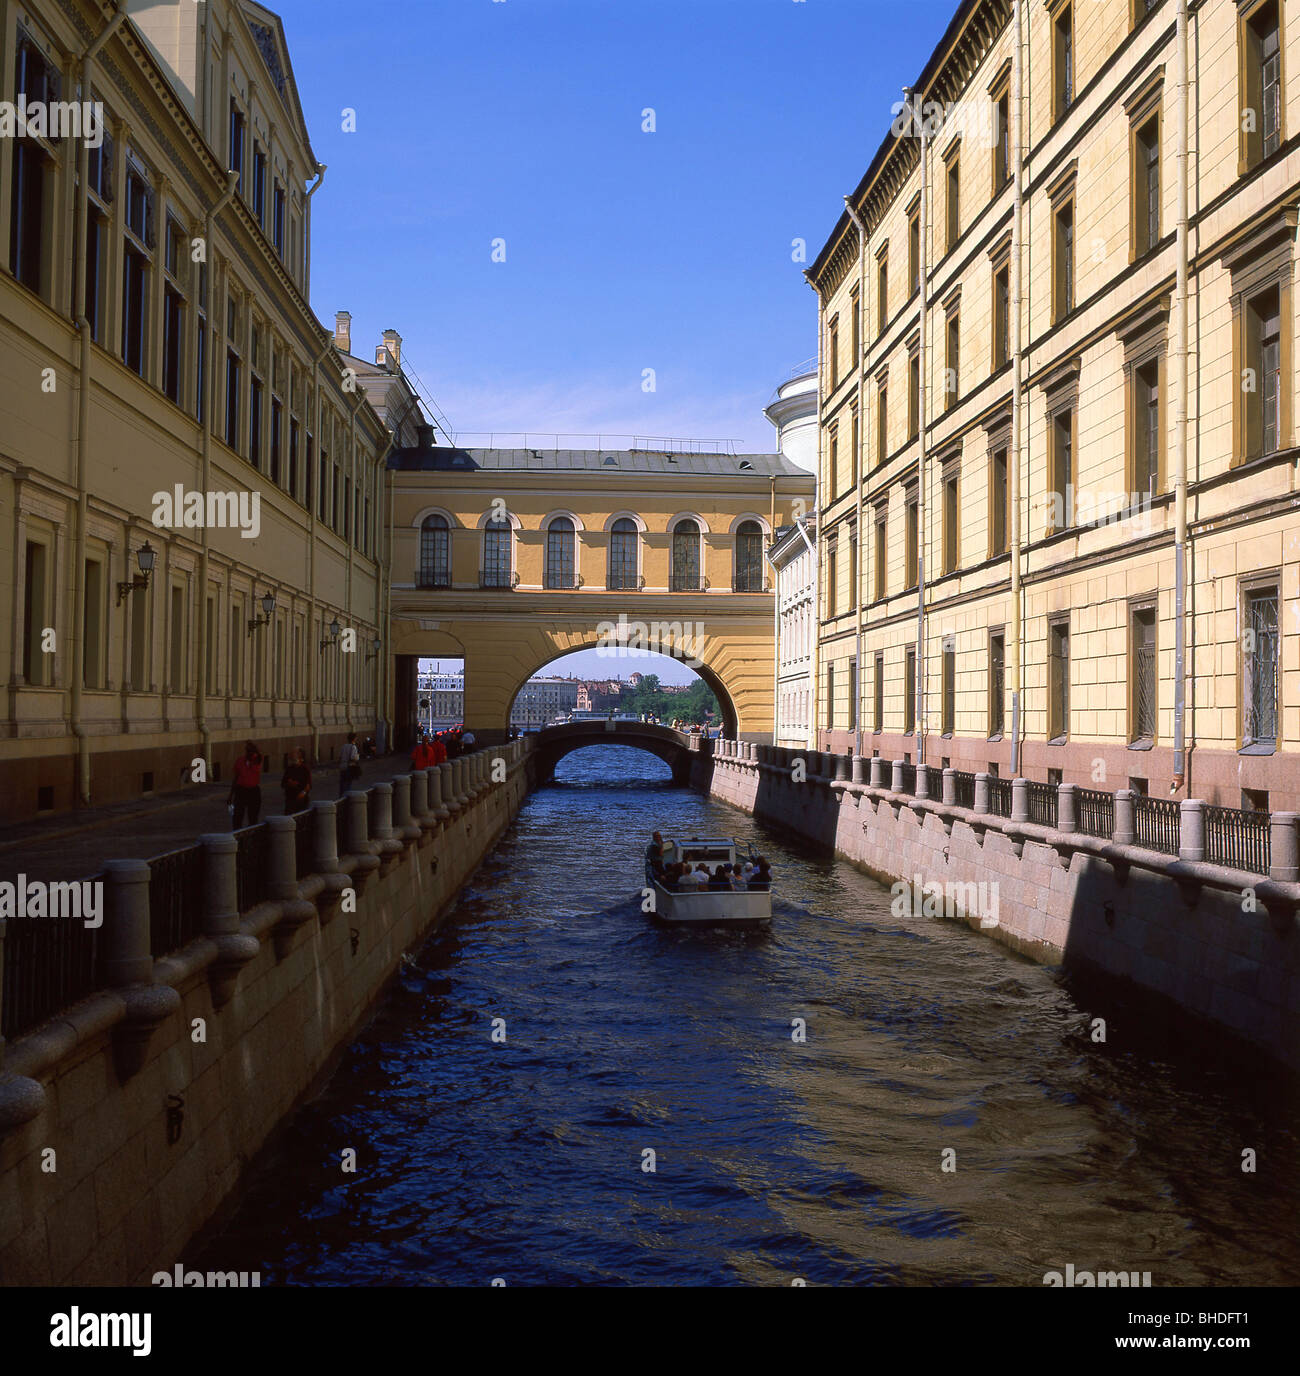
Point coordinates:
[[677, 749]]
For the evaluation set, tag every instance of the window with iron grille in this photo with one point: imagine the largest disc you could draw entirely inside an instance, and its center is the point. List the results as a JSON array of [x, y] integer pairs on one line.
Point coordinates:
[[1259, 668], [561, 551], [686, 557], [1058, 680], [997, 682], [496, 554], [749, 557], [622, 554], [1143, 668]]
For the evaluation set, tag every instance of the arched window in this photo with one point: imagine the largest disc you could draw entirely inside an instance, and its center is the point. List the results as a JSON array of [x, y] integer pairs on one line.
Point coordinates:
[[686, 557], [496, 555], [622, 554], [561, 549], [435, 553], [749, 558]]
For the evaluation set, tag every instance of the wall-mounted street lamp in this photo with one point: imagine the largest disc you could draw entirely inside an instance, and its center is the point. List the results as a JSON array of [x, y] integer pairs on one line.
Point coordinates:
[[333, 637], [268, 606], [144, 558], [373, 652]]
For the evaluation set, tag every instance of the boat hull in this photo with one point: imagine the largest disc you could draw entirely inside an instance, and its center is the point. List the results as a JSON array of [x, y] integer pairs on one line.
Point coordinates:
[[713, 907]]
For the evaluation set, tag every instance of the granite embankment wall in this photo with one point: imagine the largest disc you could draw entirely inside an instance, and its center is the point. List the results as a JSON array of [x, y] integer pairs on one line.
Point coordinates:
[[122, 1131], [1219, 942]]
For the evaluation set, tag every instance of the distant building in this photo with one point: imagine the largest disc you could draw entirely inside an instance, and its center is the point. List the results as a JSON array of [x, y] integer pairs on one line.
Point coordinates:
[[441, 700], [541, 700], [796, 634]]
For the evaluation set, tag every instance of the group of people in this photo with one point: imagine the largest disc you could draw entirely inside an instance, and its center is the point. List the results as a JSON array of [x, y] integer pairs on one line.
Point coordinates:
[[245, 799], [682, 877]]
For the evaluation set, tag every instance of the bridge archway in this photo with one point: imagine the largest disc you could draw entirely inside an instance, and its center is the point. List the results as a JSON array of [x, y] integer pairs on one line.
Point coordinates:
[[556, 742]]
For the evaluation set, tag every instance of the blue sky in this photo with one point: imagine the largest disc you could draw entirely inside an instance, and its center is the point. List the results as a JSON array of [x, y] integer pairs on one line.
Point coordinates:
[[625, 250]]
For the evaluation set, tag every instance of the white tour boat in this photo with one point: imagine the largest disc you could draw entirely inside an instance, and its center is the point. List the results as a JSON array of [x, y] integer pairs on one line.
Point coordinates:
[[708, 907]]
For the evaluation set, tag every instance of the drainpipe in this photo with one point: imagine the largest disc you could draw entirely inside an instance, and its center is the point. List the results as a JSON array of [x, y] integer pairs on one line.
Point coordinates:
[[815, 543], [857, 469], [209, 386], [83, 421], [306, 233], [1013, 496], [1180, 401], [923, 284]]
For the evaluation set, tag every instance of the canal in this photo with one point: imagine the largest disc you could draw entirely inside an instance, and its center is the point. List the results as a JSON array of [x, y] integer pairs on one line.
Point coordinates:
[[824, 1159]]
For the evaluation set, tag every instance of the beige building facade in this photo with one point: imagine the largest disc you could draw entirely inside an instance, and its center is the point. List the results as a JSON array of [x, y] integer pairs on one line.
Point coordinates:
[[1056, 372], [191, 496], [511, 558]]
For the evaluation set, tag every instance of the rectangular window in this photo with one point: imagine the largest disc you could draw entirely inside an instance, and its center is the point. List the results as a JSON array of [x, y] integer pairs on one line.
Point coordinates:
[[1264, 369], [833, 353], [210, 640], [293, 455], [324, 486], [1146, 431], [830, 697], [235, 147], [882, 551], [237, 634], [998, 503], [882, 292], [1063, 261], [914, 396], [853, 567], [96, 236], [1146, 187], [853, 695], [951, 521], [1062, 462], [855, 451], [259, 184], [878, 705], [277, 423], [1142, 676], [1058, 680], [1001, 317], [914, 251], [997, 682], [277, 220], [232, 398], [909, 691], [32, 173], [1062, 62], [833, 461], [952, 357], [92, 625], [35, 615], [882, 423], [308, 471], [177, 674], [1002, 148], [255, 423], [1259, 668], [856, 327], [334, 499], [832, 576], [140, 682], [952, 204], [948, 694], [1260, 119], [913, 541], [347, 509], [173, 343]]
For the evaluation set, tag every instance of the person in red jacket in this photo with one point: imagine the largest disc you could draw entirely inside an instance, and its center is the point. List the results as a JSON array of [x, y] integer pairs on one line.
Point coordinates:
[[246, 787], [422, 755], [438, 749]]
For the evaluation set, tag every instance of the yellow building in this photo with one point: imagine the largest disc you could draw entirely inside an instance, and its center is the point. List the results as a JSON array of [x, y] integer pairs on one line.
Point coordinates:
[[511, 557], [190, 482], [1056, 406]]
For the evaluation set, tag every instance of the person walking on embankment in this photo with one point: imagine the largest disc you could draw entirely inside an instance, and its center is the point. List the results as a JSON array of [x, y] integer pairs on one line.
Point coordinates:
[[349, 764], [296, 782], [246, 788]]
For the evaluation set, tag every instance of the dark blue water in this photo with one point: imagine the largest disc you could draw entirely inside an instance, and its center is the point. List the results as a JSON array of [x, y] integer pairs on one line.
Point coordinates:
[[773, 1159]]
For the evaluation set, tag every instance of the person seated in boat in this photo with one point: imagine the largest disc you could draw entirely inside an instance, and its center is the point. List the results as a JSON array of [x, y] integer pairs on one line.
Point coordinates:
[[720, 879], [654, 853], [745, 872], [762, 876]]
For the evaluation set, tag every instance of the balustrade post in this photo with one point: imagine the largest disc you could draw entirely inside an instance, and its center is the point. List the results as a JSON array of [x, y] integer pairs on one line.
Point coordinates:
[[1125, 833], [1191, 829], [325, 851], [859, 771], [1284, 847], [382, 801], [420, 793], [877, 772], [922, 780], [401, 802], [433, 784], [356, 823], [1019, 800], [127, 957], [841, 767], [982, 792], [1067, 807], [896, 777], [949, 786], [282, 856]]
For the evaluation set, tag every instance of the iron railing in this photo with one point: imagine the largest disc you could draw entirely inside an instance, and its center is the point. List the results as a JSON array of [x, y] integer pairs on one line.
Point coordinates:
[[432, 578], [176, 899], [1240, 840], [1096, 813], [1156, 823], [963, 789], [1000, 797], [252, 866], [909, 778], [1042, 804], [49, 963]]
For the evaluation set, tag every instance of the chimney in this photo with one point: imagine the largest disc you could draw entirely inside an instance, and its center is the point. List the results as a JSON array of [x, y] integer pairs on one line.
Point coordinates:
[[393, 343], [343, 331]]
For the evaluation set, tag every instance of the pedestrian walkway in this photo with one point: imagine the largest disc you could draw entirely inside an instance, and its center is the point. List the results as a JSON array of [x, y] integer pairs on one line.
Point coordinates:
[[74, 845]]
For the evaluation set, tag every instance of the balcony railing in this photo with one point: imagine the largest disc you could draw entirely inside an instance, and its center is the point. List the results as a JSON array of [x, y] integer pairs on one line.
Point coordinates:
[[432, 578], [750, 583], [1156, 823], [497, 578], [688, 582]]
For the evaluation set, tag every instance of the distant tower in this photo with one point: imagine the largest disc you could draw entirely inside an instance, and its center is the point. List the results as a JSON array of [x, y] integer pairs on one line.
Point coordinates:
[[793, 410]]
